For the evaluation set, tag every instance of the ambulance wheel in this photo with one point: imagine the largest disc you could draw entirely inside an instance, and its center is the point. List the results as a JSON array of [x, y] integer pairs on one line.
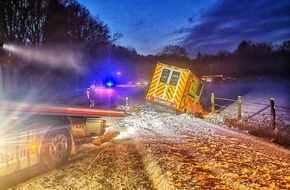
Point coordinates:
[[56, 148], [199, 115]]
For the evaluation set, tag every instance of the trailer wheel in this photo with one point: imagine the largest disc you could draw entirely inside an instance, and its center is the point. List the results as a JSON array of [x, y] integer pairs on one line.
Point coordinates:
[[57, 147]]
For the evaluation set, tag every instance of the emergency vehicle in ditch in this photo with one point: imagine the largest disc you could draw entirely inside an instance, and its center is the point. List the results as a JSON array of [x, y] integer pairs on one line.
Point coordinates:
[[176, 88]]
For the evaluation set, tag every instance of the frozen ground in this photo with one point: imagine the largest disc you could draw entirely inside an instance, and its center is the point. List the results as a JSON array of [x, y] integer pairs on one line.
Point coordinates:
[[165, 151], [255, 94], [157, 150]]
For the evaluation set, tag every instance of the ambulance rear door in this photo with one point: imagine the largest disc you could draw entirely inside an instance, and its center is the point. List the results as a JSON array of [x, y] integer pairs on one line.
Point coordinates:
[[168, 85]]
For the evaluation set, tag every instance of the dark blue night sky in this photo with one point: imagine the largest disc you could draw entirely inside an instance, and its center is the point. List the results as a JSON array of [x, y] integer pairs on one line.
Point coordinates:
[[206, 26]]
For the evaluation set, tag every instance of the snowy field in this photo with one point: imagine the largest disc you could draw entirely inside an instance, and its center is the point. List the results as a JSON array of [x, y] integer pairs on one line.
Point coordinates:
[[255, 94], [164, 151], [158, 150]]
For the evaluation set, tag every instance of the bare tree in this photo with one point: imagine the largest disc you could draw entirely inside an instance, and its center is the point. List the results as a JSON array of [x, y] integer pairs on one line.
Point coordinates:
[[174, 50], [55, 30], [22, 21], [38, 22]]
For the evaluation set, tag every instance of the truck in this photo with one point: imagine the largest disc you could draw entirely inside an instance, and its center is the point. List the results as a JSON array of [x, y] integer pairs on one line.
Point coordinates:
[[41, 133], [176, 88]]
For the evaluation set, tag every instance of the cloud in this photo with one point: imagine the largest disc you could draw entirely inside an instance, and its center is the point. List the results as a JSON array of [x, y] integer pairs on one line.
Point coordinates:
[[227, 23]]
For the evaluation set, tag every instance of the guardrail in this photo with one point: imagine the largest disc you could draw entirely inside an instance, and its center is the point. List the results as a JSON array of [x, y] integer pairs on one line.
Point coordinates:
[[249, 107]]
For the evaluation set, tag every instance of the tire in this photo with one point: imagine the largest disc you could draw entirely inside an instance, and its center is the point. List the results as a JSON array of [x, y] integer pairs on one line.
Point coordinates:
[[56, 148]]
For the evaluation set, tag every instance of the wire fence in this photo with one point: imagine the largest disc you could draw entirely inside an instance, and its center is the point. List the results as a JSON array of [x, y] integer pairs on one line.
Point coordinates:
[[266, 110], [224, 105], [253, 110]]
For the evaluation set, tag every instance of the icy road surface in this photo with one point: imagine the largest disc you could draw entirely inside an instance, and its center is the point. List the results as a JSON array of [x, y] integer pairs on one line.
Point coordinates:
[[166, 151]]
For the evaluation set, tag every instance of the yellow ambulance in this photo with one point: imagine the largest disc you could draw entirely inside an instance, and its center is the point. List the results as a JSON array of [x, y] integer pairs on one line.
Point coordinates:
[[176, 88]]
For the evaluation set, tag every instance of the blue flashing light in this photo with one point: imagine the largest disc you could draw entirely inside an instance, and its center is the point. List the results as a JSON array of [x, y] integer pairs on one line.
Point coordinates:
[[109, 84]]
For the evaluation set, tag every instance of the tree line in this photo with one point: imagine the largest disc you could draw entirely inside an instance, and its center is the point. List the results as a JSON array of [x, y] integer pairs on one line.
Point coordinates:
[[69, 25]]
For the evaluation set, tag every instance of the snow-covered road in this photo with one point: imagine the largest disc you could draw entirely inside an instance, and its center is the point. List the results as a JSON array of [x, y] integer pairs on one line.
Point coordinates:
[[165, 151]]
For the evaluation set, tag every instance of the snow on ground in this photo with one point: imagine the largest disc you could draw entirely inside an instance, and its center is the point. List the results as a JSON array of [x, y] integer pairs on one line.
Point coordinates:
[[166, 151], [158, 150], [255, 95], [145, 121]]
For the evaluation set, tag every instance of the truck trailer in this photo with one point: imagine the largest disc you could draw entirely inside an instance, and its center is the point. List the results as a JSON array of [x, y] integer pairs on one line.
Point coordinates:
[[37, 133], [176, 88], [43, 134]]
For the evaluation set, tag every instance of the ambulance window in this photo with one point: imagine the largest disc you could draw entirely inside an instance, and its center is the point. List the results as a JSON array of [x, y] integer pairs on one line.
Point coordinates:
[[191, 90], [164, 75], [199, 89], [174, 78]]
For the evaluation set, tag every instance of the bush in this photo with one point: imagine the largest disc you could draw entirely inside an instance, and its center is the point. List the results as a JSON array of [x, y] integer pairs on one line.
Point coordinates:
[[261, 127]]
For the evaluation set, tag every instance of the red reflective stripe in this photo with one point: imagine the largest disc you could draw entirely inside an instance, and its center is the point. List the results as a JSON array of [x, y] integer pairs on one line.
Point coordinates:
[[61, 110]]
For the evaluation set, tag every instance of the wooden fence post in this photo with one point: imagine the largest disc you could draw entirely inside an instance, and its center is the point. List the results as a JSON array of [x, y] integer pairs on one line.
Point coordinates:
[[212, 103], [239, 107], [273, 114]]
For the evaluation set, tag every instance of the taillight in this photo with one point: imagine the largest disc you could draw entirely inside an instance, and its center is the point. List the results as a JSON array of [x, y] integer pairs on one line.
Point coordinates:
[[172, 105], [15, 117], [151, 98]]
